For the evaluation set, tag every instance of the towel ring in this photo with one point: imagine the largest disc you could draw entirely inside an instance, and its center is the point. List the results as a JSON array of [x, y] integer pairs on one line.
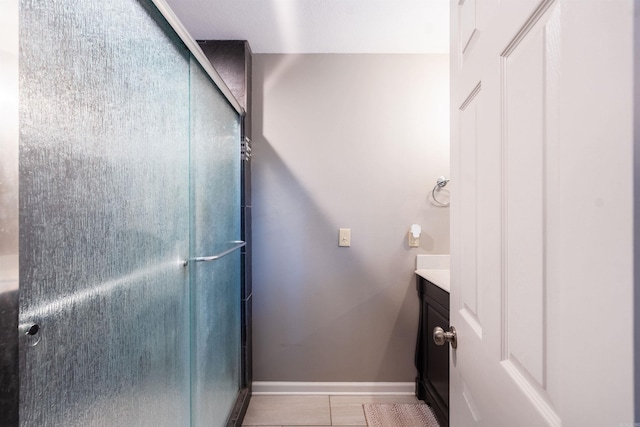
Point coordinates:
[[441, 183]]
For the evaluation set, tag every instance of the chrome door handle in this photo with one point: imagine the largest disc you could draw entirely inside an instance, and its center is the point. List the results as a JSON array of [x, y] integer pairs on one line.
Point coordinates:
[[440, 337], [237, 245]]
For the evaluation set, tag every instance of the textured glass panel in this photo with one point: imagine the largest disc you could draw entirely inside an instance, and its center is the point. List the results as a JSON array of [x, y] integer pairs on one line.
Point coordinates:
[[104, 134], [215, 287]]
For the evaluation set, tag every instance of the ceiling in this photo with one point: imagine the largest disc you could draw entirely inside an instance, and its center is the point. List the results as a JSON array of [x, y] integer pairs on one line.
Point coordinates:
[[321, 26]]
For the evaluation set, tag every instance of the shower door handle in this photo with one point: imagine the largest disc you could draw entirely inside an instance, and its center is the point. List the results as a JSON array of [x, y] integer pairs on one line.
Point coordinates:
[[238, 245]]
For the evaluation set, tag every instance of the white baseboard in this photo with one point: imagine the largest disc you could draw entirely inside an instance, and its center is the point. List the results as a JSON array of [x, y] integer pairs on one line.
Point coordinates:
[[325, 388]]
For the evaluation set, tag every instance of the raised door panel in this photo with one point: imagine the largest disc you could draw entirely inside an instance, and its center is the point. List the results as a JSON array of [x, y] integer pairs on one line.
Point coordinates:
[[467, 23], [468, 189], [528, 81]]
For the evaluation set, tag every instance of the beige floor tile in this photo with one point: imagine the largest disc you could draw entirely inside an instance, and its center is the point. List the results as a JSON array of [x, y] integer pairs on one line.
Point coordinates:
[[288, 410], [348, 414]]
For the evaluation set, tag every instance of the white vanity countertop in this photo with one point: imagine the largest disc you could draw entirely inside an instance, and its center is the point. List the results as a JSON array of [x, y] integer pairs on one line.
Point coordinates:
[[434, 268], [440, 278]]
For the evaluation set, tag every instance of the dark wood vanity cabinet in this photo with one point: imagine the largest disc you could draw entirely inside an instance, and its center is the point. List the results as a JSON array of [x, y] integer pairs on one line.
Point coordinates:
[[432, 361]]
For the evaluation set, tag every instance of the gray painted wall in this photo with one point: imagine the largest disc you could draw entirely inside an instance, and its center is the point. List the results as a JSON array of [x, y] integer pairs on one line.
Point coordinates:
[[351, 141]]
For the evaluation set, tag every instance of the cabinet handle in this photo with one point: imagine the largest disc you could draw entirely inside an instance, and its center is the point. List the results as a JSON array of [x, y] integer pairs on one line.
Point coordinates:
[[440, 337]]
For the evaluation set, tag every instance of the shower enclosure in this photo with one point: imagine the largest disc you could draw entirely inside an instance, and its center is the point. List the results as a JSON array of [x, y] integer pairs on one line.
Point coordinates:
[[127, 224]]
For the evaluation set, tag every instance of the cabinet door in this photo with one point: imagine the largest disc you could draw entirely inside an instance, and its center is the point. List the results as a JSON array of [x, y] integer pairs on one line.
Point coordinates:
[[437, 363]]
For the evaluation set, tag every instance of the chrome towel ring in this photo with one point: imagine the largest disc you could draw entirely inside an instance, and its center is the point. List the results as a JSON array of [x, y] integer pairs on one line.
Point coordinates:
[[441, 183]]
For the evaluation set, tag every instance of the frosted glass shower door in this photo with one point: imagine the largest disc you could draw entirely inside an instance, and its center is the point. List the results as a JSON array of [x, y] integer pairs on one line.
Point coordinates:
[[104, 208], [215, 254], [129, 165]]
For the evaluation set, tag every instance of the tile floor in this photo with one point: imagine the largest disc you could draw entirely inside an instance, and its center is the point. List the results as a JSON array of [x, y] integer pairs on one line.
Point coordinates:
[[322, 411]]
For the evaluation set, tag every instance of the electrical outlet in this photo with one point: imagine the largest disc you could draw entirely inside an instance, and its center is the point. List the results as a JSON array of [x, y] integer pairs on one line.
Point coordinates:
[[344, 237], [414, 242]]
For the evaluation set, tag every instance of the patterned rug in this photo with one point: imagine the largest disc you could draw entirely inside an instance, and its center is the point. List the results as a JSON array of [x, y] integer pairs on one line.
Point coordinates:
[[399, 415]]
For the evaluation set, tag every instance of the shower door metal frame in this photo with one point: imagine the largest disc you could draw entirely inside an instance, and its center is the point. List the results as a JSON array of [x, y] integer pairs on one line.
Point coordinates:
[[195, 50]]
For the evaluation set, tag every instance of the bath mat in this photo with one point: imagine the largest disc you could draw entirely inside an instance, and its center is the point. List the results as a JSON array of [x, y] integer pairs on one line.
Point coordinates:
[[399, 415]]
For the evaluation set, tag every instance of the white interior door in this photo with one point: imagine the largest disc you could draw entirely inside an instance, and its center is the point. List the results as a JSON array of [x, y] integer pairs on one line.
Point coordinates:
[[542, 216]]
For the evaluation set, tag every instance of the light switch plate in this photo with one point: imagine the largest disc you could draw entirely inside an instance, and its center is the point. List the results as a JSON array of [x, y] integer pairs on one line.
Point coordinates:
[[344, 237]]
